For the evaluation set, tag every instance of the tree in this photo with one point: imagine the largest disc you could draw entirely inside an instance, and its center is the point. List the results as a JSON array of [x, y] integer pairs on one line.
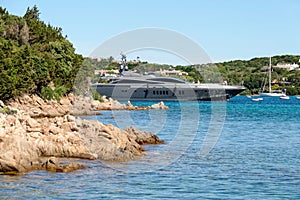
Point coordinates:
[[33, 56], [32, 13]]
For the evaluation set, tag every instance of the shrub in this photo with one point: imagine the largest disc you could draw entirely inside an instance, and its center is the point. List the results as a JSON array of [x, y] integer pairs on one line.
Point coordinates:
[[47, 93], [59, 92], [96, 95]]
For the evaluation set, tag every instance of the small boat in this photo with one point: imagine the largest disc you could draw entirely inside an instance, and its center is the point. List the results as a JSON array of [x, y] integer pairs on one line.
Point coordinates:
[[272, 94], [297, 97], [257, 99], [284, 97]]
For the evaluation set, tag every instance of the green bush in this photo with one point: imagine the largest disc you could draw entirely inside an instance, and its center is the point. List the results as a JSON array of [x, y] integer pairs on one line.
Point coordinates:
[[59, 92], [96, 95], [47, 93]]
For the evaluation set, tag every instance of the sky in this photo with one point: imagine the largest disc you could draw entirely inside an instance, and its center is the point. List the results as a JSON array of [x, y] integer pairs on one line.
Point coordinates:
[[225, 29]]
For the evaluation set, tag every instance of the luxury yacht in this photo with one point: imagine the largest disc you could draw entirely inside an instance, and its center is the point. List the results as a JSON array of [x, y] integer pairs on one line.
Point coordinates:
[[152, 87], [133, 86]]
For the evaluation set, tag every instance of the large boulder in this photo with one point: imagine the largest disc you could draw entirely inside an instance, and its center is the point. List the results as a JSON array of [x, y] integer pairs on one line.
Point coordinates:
[[17, 155], [143, 137], [107, 141]]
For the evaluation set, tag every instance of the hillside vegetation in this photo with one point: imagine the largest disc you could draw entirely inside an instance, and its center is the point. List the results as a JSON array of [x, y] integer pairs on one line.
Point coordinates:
[[253, 74], [35, 58]]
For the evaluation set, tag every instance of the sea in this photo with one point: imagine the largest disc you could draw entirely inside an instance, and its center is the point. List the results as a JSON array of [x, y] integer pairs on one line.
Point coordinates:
[[237, 149]]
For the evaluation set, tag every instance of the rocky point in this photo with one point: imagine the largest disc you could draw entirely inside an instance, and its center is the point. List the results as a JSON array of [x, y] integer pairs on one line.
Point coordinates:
[[32, 128]]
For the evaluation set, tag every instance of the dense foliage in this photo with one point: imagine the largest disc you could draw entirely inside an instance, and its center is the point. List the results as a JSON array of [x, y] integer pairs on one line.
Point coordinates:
[[34, 57]]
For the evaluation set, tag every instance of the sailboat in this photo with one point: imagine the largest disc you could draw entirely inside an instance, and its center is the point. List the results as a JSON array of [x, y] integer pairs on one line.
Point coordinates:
[[271, 93]]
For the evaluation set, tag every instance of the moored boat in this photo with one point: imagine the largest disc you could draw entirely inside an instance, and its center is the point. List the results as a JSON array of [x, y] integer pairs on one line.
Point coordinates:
[[285, 97], [150, 86], [271, 93], [257, 99], [132, 86]]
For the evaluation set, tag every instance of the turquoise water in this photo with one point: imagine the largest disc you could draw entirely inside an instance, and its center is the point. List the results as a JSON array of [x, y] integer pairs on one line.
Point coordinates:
[[256, 156]]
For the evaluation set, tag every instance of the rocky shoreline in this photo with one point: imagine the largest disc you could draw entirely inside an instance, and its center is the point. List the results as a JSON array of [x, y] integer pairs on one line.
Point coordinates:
[[34, 133]]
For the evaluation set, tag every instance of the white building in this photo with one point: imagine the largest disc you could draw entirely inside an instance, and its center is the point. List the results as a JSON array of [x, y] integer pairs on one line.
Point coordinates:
[[288, 67], [171, 72]]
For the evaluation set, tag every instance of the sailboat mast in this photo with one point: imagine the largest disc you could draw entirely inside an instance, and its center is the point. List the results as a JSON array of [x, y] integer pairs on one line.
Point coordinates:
[[270, 73]]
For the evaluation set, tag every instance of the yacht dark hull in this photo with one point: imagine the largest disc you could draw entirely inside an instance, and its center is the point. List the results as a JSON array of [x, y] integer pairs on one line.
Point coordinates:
[[168, 92]]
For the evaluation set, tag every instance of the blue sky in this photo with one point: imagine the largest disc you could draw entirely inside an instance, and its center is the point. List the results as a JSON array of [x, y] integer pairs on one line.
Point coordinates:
[[225, 29]]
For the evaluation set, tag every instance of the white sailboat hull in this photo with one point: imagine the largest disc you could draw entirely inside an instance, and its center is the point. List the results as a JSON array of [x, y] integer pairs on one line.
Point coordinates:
[[270, 94]]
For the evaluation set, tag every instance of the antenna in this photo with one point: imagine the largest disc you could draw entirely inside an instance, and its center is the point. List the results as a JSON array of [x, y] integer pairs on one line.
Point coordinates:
[[123, 64]]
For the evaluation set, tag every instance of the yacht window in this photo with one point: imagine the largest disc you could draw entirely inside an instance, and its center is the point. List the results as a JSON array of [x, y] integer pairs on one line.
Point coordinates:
[[164, 92], [160, 92], [167, 92]]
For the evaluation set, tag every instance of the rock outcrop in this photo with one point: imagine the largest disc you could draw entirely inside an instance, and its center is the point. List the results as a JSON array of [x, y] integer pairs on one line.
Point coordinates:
[[159, 106], [86, 105], [31, 128], [52, 164]]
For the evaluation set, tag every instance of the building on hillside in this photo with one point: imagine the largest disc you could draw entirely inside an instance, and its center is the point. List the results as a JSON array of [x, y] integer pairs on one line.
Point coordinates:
[[171, 72], [288, 67]]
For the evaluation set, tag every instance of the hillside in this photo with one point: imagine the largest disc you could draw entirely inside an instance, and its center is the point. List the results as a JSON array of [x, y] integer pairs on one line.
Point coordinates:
[[253, 73]]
